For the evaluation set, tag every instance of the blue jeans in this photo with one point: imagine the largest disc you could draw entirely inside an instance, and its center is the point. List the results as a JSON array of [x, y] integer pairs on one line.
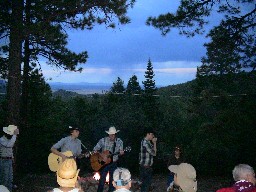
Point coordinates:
[[170, 179], [6, 173], [145, 177], [103, 173]]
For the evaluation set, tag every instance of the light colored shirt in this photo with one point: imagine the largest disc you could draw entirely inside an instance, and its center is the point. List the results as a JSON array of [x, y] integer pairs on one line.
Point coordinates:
[[106, 144], [6, 146], [147, 153], [69, 144]]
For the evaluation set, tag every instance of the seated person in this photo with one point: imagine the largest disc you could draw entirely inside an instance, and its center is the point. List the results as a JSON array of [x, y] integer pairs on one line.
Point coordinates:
[[122, 180], [67, 175], [244, 177], [184, 178]]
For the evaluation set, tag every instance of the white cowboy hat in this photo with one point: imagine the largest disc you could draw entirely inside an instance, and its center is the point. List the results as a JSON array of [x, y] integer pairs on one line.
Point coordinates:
[[10, 129], [112, 130]]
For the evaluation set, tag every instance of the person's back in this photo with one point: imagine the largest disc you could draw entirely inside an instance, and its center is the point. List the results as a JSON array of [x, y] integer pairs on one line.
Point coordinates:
[[244, 176]]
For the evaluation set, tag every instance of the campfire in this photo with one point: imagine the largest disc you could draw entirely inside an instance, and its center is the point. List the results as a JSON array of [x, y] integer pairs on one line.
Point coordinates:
[[96, 176]]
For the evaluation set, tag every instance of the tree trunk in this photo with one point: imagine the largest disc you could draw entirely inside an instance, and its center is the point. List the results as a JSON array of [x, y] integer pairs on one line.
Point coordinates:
[[14, 67]]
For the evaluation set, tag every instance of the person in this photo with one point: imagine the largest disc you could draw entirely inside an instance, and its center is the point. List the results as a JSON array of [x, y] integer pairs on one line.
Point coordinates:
[[244, 177], [122, 180], [7, 142], [175, 159], [67, 175], [113, 145], [69, 143], [147, 152], [184, 178]]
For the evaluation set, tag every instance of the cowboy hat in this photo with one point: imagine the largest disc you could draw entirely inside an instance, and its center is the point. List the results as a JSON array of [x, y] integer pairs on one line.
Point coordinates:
[[10, 129], [186, 176], [112, 130], [67, 173]]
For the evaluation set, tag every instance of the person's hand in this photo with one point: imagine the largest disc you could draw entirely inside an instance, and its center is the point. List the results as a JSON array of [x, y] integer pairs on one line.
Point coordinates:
[[16, 132], [154, 140]]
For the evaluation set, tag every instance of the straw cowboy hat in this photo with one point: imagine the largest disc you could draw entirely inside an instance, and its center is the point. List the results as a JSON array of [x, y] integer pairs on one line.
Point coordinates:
[[10, 129], [112, 130], [67, 173], [186, 176]]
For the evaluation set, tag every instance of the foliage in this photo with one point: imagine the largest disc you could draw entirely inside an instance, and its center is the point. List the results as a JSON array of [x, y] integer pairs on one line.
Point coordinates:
[[232, 46], [133, 86], [118, 86]]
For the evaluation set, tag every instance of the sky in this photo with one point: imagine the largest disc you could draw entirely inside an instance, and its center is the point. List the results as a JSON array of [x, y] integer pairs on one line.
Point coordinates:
[[125, 51]]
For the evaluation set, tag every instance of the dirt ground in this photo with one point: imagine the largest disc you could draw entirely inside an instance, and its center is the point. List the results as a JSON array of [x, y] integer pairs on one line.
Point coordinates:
[[43, 183]]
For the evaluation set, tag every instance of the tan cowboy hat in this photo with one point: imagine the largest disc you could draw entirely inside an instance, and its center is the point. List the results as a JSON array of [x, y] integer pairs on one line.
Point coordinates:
[[112, 130], [67, 173], [10, 129], [186, 176]]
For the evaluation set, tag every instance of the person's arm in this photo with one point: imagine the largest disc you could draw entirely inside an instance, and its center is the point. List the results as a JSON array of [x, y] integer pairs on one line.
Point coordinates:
[[121, 147], [10, 143], [99, 145], [55, 148], [151, 150]]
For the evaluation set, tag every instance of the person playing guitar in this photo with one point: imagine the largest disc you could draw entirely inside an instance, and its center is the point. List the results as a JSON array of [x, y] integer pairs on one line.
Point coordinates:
[[69, 143], [105, 146]]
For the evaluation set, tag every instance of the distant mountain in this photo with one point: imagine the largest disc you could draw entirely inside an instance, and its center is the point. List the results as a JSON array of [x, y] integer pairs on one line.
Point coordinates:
[[82, 87]]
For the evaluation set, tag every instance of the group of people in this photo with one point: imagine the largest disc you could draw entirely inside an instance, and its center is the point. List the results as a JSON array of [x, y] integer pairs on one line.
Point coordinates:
[[182, 177], [114, 145]]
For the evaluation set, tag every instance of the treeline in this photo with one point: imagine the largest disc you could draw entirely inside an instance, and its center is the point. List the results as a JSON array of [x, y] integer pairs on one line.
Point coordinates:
[[212, 118]]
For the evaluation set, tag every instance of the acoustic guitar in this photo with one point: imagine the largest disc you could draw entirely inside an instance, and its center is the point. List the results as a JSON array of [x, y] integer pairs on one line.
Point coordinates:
[[99, 160], [54, 160]]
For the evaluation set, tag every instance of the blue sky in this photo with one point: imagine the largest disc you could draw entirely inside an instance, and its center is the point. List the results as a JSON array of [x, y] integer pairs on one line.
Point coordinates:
[[124, 51]]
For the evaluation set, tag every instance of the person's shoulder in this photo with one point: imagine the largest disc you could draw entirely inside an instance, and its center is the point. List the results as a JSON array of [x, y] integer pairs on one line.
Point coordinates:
[[119, 140], [228, 189]]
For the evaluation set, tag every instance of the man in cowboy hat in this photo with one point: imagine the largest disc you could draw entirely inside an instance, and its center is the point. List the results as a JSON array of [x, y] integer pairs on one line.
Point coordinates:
[[69, 143], [6, 155], [113, 145]]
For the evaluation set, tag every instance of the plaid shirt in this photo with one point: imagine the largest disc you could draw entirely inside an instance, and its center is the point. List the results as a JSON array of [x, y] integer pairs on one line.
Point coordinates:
[[106, 144], [146, 153]]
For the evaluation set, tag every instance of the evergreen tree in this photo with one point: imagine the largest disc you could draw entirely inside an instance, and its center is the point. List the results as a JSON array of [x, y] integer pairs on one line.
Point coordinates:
[[118, 86], [42, 25], [150, 102], [149, 83], [133, 86], [233, 42]]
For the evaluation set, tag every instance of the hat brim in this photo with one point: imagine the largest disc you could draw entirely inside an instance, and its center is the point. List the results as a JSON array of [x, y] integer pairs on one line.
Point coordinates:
[[173, 168], [111, 133]]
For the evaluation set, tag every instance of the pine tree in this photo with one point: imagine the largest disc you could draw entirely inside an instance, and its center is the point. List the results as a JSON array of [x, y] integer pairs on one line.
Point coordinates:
[[149, 83], [133, 86], [118, 86]]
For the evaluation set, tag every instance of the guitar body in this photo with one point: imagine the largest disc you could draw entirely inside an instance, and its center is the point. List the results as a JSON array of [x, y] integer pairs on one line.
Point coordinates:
[[98, 160], [54, 160]]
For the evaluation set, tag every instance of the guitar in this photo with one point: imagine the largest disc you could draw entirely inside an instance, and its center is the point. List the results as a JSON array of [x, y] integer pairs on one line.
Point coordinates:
[[99, 160], [54, 160]]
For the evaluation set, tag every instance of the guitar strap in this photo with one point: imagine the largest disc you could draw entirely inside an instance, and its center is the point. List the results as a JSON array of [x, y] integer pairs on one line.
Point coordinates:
[[113, 150]]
